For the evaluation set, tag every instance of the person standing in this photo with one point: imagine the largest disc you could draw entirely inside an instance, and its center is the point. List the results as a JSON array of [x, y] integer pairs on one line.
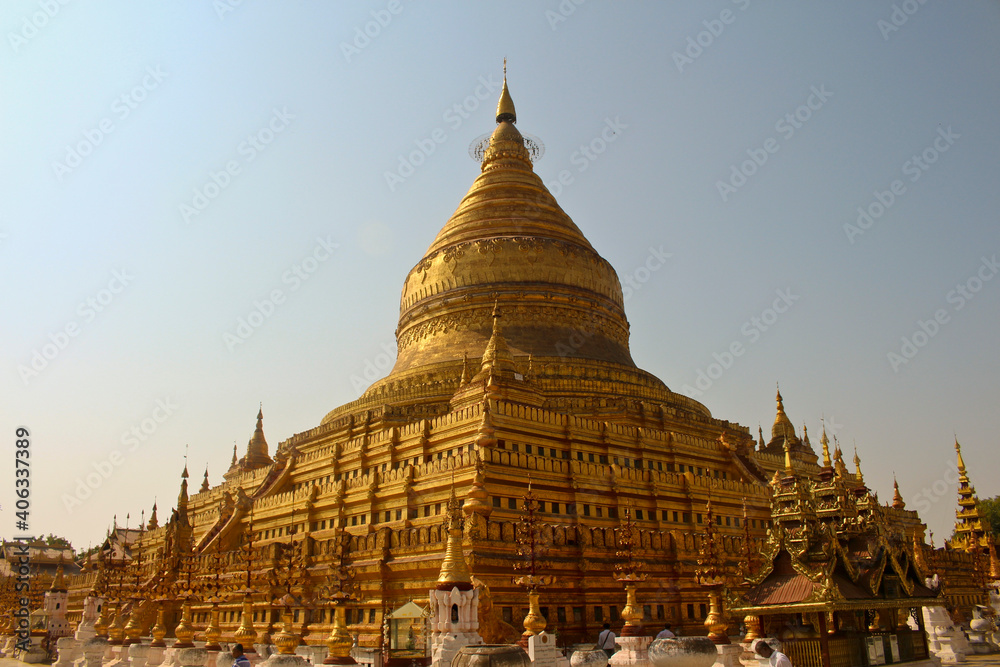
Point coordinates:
[[240, 660], [774, 658], [606, 640], [666, 633]]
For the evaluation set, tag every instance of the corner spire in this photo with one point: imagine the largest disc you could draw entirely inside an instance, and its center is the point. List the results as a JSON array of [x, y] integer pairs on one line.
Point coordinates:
[[464, 380], [182, 497], [857, 466], [782, 429], [497, 358], [204, 482], [475, 501], [823, 440], [897, 499], [153, 521], [59, 582], [257, 455], [505, 107], [454, 569]]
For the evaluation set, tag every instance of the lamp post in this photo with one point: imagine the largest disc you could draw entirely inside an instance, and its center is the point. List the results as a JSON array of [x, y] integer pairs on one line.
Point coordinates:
[[530, 546]]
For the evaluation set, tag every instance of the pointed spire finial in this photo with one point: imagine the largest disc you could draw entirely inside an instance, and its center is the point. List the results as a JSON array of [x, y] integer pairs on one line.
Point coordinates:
[[505, 107], [857, 465], [823, 440], [465, 370], [59, 583], [961, 461], [454, 569], [897, 498]]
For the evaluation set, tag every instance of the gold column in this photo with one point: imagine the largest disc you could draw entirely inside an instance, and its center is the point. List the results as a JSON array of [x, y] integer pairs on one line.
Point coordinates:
[[184, 631], [213, 632], [753, 628], [286, 640], [133, 629], [159, 630], [339, 643], [246, 634], [116, 631]]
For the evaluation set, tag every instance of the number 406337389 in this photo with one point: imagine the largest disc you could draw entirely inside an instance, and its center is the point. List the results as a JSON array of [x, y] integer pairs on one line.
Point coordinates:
[[22, 476]]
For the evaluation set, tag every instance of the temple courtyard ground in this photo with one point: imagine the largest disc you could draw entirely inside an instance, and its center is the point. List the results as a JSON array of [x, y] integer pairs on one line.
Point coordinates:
[[974, 661]]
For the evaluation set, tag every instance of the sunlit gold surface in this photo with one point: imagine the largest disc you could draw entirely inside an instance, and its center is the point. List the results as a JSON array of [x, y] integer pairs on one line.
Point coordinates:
[[159, 630], [338, 644], [116, 630], [534, 622], [245, 634], [213, 632], [184, 632], [286, 640], [513, 367], [133, 629], [454, 569]]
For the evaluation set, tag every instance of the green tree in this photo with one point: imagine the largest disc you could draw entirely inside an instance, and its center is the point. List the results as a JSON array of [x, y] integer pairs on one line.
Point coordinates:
[[990, 509], [51, 540]]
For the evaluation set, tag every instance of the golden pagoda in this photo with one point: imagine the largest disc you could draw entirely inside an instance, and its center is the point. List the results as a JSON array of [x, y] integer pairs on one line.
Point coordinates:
[[970, 535], [513, 365]]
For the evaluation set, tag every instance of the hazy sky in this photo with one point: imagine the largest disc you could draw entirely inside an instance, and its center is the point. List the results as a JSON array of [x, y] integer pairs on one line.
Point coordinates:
[[170, 168]]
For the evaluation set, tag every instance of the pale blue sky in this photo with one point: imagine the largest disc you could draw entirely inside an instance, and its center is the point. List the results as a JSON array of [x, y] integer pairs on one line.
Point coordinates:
[[339, 120]]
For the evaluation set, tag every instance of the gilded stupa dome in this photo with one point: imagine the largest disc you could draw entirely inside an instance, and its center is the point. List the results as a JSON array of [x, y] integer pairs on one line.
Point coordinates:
[[509, 245]]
